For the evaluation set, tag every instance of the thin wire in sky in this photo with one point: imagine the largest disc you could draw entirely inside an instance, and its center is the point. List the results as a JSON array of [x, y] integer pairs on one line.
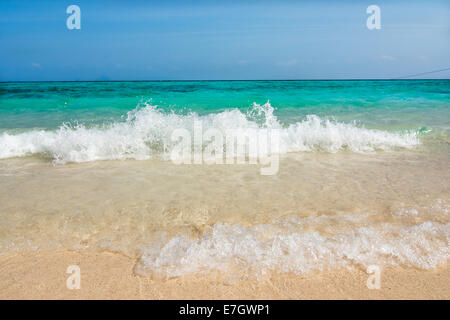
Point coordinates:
[[423, 73]]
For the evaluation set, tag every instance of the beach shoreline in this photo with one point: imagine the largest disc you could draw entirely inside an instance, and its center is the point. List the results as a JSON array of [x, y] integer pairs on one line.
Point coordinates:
[[360, 179], [108, 275]]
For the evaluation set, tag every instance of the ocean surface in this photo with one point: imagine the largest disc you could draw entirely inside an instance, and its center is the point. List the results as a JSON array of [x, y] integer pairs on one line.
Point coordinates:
[[363, 175]]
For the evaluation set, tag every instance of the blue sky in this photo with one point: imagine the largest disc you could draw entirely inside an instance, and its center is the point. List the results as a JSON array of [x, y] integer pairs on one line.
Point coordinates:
[[166, 40]]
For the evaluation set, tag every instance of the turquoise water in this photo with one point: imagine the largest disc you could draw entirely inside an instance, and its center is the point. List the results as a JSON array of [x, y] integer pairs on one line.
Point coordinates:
[[400, 106], [378, 104]]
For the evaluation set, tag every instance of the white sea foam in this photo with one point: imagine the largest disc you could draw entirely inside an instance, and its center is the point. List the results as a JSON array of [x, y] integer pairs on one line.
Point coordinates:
[[147, 132], [277, 247]]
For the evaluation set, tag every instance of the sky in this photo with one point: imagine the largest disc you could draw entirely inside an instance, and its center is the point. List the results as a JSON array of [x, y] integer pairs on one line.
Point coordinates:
[[222, 40]]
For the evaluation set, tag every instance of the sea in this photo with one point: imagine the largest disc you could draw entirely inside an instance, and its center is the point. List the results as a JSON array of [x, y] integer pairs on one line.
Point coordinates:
[[362, 173]]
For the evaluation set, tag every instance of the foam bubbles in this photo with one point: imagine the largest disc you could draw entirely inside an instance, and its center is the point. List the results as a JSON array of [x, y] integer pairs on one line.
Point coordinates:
[[147, 132], [262, 248]]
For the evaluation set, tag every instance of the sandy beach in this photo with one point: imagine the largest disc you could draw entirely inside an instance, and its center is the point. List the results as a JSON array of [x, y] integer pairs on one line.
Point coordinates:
[[111, 276], [312, 257]]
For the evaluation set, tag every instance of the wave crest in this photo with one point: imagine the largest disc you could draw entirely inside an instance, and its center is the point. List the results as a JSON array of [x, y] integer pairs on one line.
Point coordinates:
[[147, 130]]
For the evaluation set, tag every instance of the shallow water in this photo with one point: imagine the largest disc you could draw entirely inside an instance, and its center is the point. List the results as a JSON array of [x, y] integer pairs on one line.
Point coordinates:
[[349, 202], [363, 180]]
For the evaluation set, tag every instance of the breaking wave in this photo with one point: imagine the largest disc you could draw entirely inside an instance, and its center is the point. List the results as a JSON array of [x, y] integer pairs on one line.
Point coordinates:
[[147, 131], [287, 247]]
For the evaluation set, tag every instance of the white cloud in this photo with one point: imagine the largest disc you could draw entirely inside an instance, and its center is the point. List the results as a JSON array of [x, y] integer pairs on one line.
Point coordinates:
[[36, 65]]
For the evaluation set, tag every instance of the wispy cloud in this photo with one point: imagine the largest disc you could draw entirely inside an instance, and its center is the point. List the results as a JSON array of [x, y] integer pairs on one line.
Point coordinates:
[[36, 65], [388, 58], [287, 63]]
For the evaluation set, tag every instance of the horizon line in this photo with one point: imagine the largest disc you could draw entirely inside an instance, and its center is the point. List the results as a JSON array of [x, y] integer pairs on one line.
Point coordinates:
[[225, 80]]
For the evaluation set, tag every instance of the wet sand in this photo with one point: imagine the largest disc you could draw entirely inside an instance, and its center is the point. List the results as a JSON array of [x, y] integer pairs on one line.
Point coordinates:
[[111, 276]]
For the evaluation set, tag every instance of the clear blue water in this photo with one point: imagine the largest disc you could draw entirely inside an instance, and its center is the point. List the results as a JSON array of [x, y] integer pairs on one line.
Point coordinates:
[[84, 121], [389, 205], [399, 104]]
